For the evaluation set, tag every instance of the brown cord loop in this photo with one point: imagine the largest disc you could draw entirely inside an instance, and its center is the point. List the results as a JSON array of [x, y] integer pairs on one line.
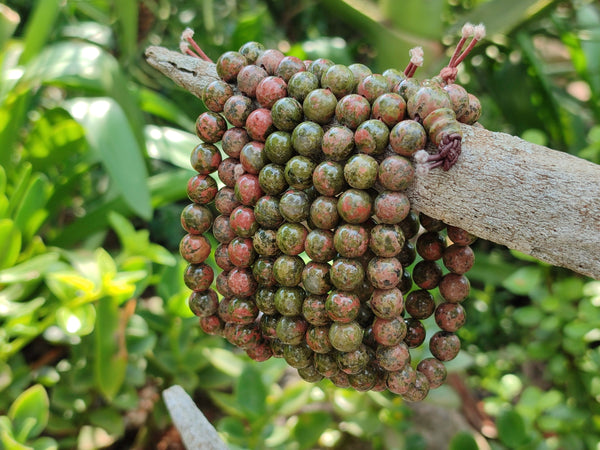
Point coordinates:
[[449, 151], [449, 74]]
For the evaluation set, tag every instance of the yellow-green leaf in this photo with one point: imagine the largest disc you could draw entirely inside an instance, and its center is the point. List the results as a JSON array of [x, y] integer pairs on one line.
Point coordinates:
[[31, 405]]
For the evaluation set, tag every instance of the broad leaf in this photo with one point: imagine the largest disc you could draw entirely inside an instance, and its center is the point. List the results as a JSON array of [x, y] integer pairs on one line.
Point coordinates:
[[156, 104], [511, 429], [170, 144], [309, 428], [523, 280], [110, 136], [463, 440], [224, 360], [251, 393], [31, 405], [109, 419]]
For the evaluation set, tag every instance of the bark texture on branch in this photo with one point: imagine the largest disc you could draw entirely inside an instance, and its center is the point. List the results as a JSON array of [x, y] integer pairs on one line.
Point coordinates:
[[528, 197], [195, 429]]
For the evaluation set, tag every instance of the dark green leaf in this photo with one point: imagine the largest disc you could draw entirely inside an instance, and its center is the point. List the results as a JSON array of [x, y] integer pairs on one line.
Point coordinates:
[[109, 420], [463, 440], [226, 402], [111, 137], [251, 393], [309, 428], [233, 428], [511, 429], [165, 188], [86, 67]]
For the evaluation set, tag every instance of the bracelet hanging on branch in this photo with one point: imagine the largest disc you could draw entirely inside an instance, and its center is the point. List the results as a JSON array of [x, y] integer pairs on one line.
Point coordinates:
[[328, 161]]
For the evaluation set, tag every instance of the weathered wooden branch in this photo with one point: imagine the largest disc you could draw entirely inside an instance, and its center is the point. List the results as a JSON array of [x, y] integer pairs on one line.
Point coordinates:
[[528, 197], [195, 430]]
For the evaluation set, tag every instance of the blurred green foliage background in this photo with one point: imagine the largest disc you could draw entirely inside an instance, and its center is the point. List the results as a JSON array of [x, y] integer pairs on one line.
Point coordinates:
[[94, 161]]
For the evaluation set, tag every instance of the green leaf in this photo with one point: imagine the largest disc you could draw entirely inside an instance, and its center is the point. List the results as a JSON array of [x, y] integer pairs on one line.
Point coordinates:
[[524, 280], [138, 242], [30, 213], [31, 405], [86, 67], [75, 64], [13, 116], [511, 429], [111, 137], [44, 443], [227, 403], [178, 305], [292, 398], [110, 353], [463, 440], [165, 188], [426, 17], [77, 321], [310, 427], [10, 243], [69, 285], [224, 360], [18, 309], [9, 442], [94, 32], [21, 180], [39, 27], [2, 180], [170, 144], [588, 65], [159, 106], [30, 270], [251, 393], [233, 428], [126, 12], [528, 316], [109, 419], [501, 16]]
